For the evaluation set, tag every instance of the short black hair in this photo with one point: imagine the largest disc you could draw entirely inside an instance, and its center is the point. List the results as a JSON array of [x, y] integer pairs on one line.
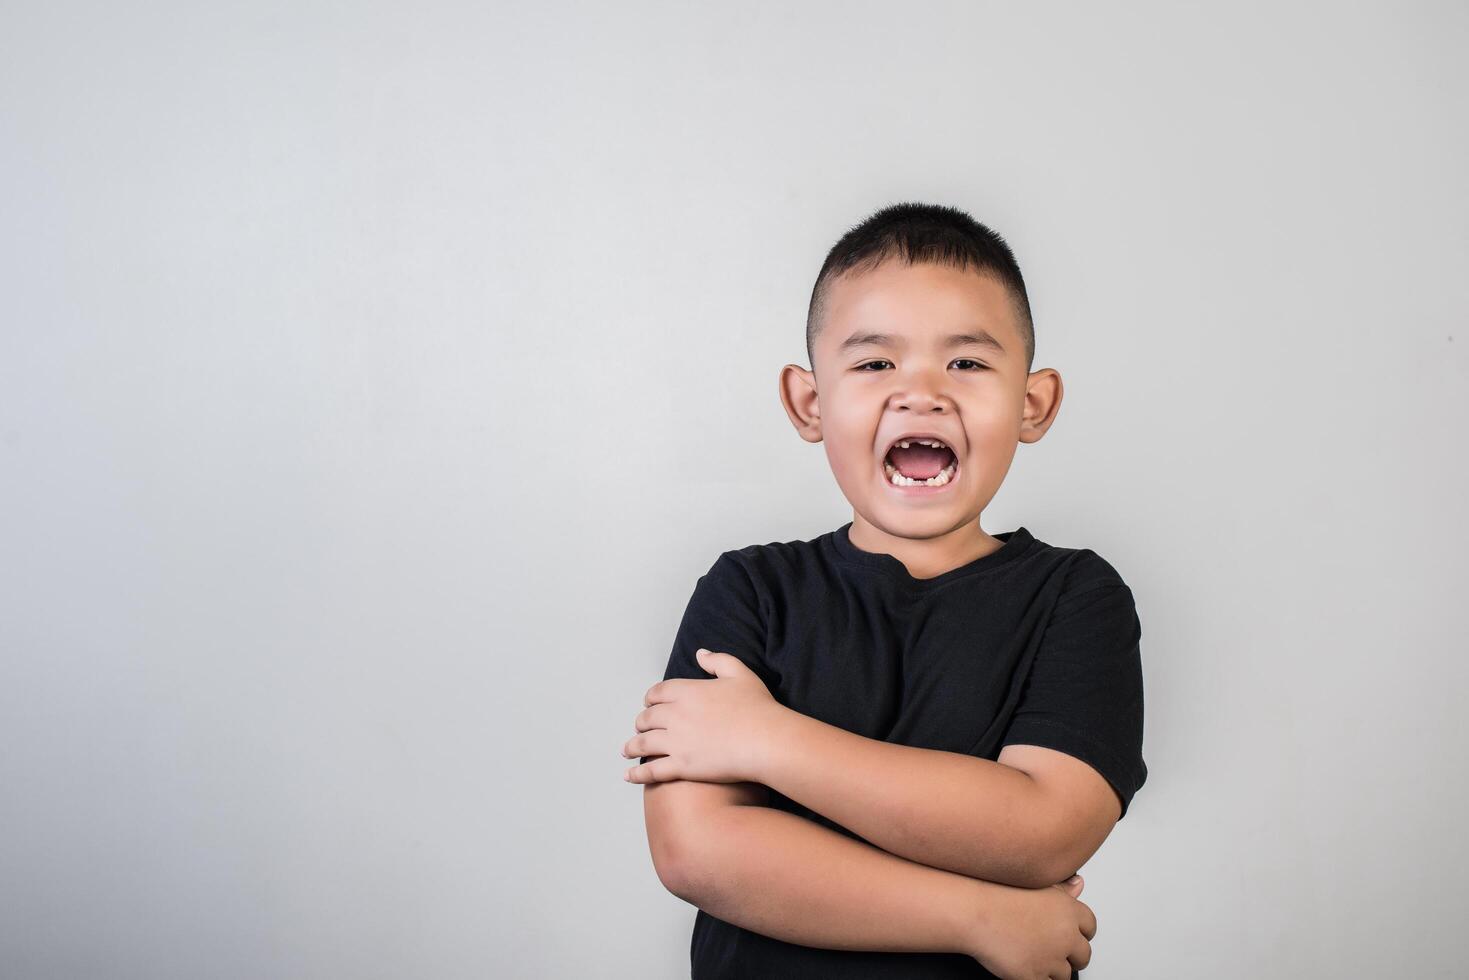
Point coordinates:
[[915, 233]]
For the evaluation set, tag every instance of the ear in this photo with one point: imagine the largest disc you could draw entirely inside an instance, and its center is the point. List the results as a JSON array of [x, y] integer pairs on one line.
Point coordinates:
[[1043, 393], [798, 395]]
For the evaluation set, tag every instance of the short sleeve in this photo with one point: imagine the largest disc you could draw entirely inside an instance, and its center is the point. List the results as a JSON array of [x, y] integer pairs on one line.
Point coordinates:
[[724, 615], [1084, 693]]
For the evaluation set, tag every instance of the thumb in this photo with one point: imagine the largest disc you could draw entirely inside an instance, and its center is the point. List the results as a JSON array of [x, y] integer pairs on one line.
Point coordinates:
[[718, 664], [1073, 885]]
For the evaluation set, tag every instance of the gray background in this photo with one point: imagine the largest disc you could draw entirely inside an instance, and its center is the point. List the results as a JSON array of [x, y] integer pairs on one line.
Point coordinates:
[[376, 380]]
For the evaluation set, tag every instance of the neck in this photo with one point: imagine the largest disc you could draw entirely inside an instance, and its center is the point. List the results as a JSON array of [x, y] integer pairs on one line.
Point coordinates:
[[926, 557]]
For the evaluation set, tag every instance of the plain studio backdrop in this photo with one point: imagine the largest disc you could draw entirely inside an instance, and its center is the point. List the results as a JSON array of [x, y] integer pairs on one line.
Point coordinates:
[[377, 380]]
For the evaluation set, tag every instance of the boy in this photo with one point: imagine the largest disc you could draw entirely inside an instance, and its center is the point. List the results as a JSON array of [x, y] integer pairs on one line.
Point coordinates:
[[881, 752]]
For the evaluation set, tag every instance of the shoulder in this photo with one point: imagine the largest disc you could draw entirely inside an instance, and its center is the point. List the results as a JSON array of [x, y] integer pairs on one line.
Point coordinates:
[[1087, 571], [1080, 569], [1082, 582], [775, 562]]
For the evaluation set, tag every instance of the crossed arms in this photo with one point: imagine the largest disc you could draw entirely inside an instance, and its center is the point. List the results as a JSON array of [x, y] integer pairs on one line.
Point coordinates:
[[947, 832]]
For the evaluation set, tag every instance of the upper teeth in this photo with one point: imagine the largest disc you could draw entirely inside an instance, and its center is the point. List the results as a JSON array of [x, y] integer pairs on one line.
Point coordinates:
[[942, 478]]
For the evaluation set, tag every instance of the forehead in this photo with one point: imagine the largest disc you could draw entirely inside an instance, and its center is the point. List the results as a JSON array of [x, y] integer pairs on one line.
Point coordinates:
[[920, 304]]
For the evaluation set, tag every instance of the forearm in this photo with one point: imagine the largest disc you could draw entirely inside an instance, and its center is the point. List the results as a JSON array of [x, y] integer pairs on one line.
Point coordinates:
[[972, 816], [789, 878]]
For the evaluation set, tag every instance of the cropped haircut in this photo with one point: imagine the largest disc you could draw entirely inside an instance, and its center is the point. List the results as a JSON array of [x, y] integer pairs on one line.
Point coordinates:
[[914, 233]]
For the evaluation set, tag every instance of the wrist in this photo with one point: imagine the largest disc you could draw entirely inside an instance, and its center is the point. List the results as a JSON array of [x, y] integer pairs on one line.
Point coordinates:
[[974, 929], [777, 738]]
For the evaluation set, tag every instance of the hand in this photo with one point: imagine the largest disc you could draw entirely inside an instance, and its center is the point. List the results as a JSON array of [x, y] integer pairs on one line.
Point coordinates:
[[716, 730], [1035, 933]]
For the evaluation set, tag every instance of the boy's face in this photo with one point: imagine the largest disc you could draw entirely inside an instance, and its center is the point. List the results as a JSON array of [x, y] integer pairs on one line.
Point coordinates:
[[886, 364]]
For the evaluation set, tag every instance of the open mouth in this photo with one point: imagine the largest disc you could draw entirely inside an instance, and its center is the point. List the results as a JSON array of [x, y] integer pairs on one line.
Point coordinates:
[[920, 463]]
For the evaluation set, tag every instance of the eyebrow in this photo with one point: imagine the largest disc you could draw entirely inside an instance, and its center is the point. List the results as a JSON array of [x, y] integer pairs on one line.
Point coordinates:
[[978, 338]]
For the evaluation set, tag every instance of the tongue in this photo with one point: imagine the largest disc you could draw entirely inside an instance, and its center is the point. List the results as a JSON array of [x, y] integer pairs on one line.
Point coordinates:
[[919, 462]]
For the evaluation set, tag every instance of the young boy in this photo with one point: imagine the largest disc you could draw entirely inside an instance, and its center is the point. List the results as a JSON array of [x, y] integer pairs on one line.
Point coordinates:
[[882, 751]]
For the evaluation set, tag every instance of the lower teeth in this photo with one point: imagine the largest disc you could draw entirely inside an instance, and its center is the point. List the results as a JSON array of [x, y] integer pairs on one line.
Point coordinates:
[[899, 480]]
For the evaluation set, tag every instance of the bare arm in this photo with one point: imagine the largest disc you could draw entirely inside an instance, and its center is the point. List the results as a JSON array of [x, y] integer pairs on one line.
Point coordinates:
[[777, 874], [975, 817]]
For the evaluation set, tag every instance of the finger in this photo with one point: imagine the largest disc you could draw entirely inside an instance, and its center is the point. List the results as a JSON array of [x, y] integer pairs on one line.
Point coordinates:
[[663, 691], [719, 664], [1088, 921], [646, 743], [650, 718], [653, 771], [1080, 955]]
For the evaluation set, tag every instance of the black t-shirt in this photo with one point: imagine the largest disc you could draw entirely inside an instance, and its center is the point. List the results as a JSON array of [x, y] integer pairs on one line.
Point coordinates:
[[1031, 644]]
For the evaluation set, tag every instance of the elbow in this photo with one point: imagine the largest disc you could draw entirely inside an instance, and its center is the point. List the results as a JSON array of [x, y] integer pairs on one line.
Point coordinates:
[[676, 863], [1057, 859], [1052, 861], [695, 867], [687, 832], [1039, 873], [1021, 866], [1051, 873], [1061, 846], [668, 863]]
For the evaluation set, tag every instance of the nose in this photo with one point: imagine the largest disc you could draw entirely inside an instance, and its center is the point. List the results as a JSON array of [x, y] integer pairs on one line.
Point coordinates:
[[923, 393]]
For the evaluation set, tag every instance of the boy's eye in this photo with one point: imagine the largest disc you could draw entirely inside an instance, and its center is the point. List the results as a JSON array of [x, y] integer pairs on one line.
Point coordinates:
[[978, 366]]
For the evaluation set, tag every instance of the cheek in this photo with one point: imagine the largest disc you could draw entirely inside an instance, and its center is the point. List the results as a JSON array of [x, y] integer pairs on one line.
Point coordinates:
[[849, 450], [988, 421], [991, 451], [996, 433], [843, 454]]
